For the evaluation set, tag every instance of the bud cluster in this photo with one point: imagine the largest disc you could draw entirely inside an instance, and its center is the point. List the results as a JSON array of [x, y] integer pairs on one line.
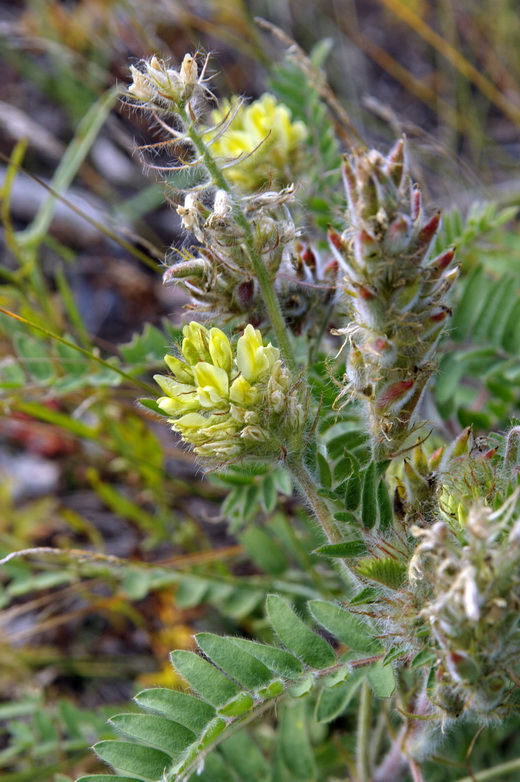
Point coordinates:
[[448, 574], [472, 580], [220, 278], [232, 404], [395, 292], [157, 86]]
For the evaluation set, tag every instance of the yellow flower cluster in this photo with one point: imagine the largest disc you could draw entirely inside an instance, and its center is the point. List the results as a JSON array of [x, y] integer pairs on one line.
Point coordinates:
[[263, 140], [228, 404]]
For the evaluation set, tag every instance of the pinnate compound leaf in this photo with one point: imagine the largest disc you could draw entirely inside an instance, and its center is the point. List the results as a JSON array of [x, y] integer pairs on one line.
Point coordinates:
[[204, 678], [245, 669], [187, 710], [296, 636], [157, 731], [349, 629], [146, 762]]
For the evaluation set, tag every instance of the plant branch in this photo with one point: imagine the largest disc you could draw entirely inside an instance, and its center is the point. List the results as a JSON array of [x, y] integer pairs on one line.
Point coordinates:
[[262, 275], [321, 510]]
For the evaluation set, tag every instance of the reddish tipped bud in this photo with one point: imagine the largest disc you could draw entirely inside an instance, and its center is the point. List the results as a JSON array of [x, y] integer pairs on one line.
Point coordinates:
[[438, 317], [335, 240], [429, 229], [309, 258], [349, 180], [444, 260], [435, 458], [381, 345], [416, 203], [365, 293], [396, 162], [394, 395], [463, 442], [397, 234], [331, 269]]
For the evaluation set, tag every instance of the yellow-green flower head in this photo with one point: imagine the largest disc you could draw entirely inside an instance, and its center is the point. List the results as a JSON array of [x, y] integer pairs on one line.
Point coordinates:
[[265, 141], [221, 401]]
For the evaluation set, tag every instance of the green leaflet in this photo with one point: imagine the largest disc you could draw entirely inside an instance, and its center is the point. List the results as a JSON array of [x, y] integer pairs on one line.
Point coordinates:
[[244, 756], [332, 702], [145, 762], [324, 471], [212, 732], [295, 744], [205, 679], [246, 669], [278, 660], [296, 636], [384, 504], [387, 571], [237, 706], [157, 731], [353, 491], [349, 629], [185, 709], [264, 550], [381, 679], [351, 548]]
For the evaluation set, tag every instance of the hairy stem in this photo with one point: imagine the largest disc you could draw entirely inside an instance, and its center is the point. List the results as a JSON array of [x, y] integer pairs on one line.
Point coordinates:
[[308, 486], [265, 283]]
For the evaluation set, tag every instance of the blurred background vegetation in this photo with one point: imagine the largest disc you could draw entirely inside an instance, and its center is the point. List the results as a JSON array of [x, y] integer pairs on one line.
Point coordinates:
[[84, 235]]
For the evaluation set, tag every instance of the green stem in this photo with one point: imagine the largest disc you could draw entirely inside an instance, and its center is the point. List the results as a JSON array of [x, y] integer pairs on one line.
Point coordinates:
[[493, 773], [364, 733], [265, 283], [317, 503]]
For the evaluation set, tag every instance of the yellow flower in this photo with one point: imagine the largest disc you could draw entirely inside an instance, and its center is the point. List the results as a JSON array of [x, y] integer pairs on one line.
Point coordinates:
[[220, 349], [212, 385], [195, 345], [253, 360], [264, 138], [242, 392], [221, 401]]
